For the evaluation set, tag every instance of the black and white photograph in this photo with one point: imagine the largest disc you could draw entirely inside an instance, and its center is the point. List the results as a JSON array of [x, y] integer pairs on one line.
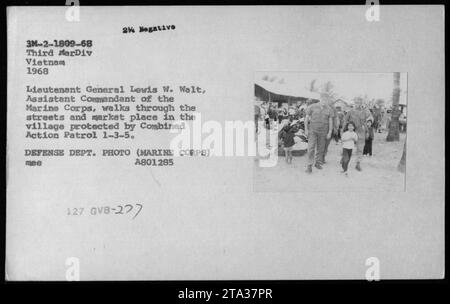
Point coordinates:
[[331, 131]]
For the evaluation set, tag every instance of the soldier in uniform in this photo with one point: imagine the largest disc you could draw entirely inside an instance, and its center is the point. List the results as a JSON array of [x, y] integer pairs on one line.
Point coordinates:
[[334, 132], [359, 116], [318, 128]]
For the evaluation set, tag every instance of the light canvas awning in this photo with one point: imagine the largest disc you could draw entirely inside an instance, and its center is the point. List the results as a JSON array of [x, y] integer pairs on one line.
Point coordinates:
[[287, 90]]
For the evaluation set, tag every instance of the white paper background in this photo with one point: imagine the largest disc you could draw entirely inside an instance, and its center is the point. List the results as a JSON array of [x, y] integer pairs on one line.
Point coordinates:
[[203, 221]]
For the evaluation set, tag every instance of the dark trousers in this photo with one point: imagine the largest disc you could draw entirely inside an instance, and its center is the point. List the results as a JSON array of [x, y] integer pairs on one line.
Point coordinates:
[[402, 127], [323, 153], [346, 156], [316, 146], [368, 147], [337, 135]]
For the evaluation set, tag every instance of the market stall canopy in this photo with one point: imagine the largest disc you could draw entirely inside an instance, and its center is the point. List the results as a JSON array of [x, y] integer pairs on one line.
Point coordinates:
[[287, 89]]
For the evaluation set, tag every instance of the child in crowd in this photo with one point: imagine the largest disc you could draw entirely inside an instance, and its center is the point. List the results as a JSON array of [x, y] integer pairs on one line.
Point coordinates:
[[348, 138], [287, 136], [267, 120], [369, 139]]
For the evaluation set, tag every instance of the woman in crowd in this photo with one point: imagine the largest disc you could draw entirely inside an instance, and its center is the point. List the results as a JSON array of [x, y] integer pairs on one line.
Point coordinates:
[[369, 139]]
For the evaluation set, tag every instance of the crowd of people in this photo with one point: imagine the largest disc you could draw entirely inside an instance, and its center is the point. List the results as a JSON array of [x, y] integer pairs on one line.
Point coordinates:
[[321, 122]]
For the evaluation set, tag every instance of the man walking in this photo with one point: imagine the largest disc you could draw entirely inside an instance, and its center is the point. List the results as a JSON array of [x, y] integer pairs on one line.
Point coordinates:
[[359, 116], [318, 128], [334, 129]]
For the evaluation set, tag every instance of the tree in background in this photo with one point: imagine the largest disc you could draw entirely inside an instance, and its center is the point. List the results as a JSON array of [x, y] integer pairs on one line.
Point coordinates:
[[365, 101], [312, 86], [380, 102], [328, 89], [394, 128], [402, 164]]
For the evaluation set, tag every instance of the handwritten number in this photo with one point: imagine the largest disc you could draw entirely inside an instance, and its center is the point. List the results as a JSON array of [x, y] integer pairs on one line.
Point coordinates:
[[140, 208]]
